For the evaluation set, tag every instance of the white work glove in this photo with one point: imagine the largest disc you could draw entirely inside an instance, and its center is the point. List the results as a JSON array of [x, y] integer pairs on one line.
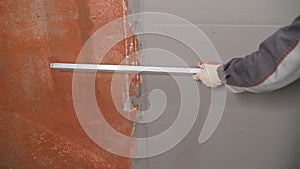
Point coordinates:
[[209, 75]]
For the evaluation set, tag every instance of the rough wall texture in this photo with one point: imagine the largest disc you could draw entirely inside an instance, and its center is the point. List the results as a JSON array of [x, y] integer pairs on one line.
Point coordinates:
[[38, 125]]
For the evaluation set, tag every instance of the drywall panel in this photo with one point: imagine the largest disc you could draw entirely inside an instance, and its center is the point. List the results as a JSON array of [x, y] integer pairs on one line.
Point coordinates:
[[257, 12], [256, 130]]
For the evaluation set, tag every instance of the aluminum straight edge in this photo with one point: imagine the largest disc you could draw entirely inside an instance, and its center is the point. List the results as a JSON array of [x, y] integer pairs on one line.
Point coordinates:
[[123, 68]]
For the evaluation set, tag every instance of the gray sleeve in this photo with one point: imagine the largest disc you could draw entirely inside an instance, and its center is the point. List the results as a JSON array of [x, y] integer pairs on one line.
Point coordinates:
[[275, 65]]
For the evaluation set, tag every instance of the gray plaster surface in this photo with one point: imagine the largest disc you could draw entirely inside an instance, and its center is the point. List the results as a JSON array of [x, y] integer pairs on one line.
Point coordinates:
[[260, 131]]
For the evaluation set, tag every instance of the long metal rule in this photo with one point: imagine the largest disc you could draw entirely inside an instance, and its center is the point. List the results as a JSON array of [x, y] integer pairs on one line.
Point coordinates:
[[123, 68]]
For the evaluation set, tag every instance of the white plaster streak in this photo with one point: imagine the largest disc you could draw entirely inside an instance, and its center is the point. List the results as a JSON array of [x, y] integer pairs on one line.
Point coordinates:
[[39, 17], [127, 103]]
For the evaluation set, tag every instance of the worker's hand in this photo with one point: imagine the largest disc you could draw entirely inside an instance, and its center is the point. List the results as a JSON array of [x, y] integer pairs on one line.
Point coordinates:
[[209, 75]]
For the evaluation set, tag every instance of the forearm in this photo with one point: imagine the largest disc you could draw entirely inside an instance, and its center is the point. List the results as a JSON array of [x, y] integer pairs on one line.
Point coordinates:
[[275, 65]]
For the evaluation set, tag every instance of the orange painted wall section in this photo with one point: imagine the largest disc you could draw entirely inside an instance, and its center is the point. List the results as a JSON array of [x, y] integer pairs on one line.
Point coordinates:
[[38, 124]]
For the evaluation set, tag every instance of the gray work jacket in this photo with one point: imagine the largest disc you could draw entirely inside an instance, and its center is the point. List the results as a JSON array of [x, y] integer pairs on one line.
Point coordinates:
[[276, 64]]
